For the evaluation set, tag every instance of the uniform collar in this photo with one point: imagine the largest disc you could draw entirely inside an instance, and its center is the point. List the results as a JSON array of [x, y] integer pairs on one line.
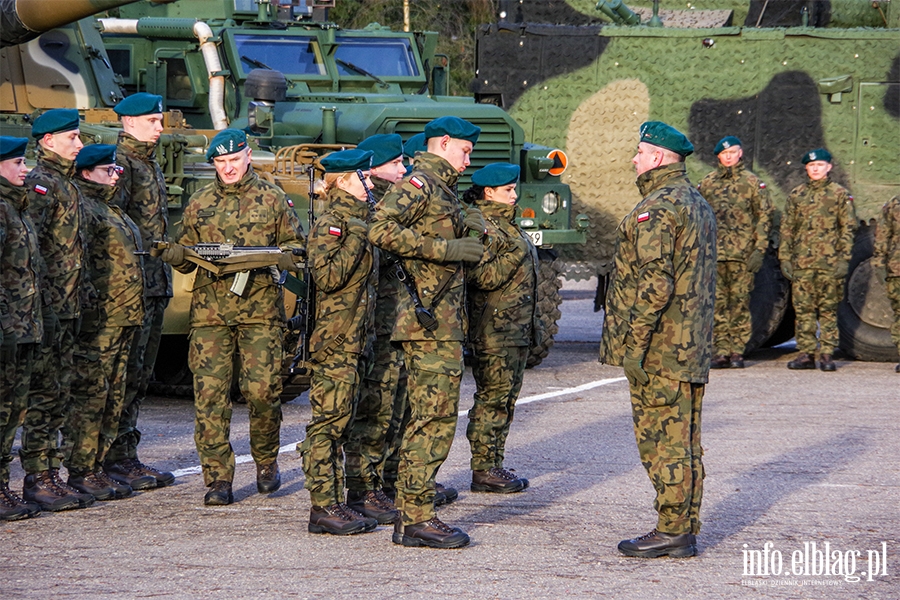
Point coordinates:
[[132, 145], [13, 194], [731, 172], [345, 204], [55, 162], [820, 184], [654, 179], [247, 181], [502, 212], [436, 165], [96, 191], [380, 187]]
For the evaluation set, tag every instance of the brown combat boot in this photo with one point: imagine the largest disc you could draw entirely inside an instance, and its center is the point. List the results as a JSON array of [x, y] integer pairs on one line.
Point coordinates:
[[126, 473], [163, 478], [433, 533], [41, 489], [802, 362], [268, 478], [497, 480], [826, 363], [737, 361], [89, 483], [338, 519], [657, 543], [373, 504], [13, 508], [444, 494], [720, 362]]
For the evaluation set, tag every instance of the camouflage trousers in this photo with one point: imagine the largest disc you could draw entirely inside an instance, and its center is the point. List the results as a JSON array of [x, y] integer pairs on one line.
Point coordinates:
[[394, 437], [367, 440], [49, 402], [816, 296], [498, 377], [141, 360], [332, 397], [731, 325], [211, 357], [666, 417], [434, 372], [98, 395], [15, 379], [893, 290]]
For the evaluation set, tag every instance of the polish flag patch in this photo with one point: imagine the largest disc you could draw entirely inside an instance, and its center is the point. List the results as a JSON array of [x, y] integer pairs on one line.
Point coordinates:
[[334, 231], [417, 183], [762, 185], [290, 203], [40, 190], [643, 217]]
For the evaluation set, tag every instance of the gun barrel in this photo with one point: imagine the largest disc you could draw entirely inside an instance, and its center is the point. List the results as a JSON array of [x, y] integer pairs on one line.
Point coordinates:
[[24, 20]]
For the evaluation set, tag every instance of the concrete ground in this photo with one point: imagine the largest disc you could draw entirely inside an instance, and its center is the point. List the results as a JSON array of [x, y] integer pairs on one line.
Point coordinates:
[[793, 459]]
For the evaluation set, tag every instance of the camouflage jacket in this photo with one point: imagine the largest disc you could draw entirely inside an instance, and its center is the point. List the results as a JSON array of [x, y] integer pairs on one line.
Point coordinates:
[[413, 221], [345, 271], [389, 287], [142, 195], [502, 287], [250, 212], [113, 271], [887, 238], [817, 226], [20, 268], [743, 211], [55, 206], [660, 300]]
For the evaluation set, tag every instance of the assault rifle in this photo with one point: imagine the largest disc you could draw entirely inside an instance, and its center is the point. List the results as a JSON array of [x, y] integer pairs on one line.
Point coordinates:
[[303, 320]]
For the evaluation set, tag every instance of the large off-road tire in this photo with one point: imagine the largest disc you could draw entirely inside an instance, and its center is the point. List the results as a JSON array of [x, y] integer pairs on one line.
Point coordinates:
[[171, 376], [770, 302], [548, 302], [864, 314]]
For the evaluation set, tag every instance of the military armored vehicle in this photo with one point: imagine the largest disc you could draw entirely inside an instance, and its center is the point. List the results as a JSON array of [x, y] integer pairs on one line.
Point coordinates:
[[784, 76]]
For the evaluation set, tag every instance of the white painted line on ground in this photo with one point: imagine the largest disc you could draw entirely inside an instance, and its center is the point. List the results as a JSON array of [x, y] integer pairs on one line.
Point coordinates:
[[245, 458]]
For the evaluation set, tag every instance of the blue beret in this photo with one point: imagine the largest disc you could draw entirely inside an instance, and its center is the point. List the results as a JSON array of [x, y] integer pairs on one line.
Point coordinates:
[[12, 147], [415, 144], [454, 127], [347, 161], [666, 136], [496, 175], [57, 120], [817, 154], [727, 142], [227, 141], [384, 146], [95, 154], [139, 104]]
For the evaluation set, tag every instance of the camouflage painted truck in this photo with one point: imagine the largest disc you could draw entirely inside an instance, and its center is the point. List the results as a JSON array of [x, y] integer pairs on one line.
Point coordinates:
[[784, 76]]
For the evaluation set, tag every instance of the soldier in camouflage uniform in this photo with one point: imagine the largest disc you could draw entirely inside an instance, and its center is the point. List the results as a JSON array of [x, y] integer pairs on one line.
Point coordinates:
[[21, 318], [886, 261], [658, 326], [55, 207], [743, 218], [142, 195], [111, 315], [817, 231], [420, 221], [502, 293], [345, 271], [241, 209]]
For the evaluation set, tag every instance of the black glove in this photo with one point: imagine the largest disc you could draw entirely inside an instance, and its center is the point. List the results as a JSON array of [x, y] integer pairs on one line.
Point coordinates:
[[755, 262], [464, 249], [474, 221], [51, 327]]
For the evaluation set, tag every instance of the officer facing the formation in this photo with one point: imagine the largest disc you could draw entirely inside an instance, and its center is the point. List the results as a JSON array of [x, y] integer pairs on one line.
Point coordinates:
[[420, 221], [21, 318], [367, 442], [743, 218], [142, 195], [658, 326], [886, 261], [345, 271], [816, 242], [502, 325], [241, 209], [55, 206], [111, 314]]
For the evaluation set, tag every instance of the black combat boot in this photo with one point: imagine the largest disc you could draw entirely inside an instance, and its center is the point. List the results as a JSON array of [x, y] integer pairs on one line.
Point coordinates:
[[89, 483], [338, 519], [84, 499], [124, 472], [444, 494], [163, 478], [826, 363], [737, 361], [13, 508], [802, 362], [42, 490], [219, 494], [656, 544], [433, 533], [122, 490], [373, 504], [720, 362], [497, 480], [268, 478]]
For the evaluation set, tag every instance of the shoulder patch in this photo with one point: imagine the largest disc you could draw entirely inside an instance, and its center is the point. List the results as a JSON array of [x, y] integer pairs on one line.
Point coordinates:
[[290, 202], [334, 231], [849, 198], [644, 216], [40, 189], [417, 183], [762, 185]]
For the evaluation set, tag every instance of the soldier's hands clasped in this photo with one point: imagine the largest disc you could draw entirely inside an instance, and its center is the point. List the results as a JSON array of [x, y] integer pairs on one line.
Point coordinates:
[[464, 249], [474, 221], [755, 262]]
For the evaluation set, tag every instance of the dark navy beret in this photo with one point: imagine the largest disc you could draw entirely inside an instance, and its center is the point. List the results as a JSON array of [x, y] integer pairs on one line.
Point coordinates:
[[666, 136], [12, 147], [57, 120], [729, 141], [347, 161], [496, 175], [454, 127], [415, 144], [817, 154], [139, 104], [95, 154], [384, 146], [227, 141]]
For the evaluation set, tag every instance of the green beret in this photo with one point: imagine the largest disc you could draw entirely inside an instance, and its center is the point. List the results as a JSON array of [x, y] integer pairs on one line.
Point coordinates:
[[415, 144], [347, 161], [496, 175], [666, 136], [12, 147], [817, 154], [385, 147], [454, 127], [227, 141], [95, 154], [57, 120], [729, 141], [137, 105]]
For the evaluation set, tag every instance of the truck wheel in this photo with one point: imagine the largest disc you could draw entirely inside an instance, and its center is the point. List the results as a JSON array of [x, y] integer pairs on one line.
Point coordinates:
[[865, 315], [171, 376], [769, 304], [548, 302]]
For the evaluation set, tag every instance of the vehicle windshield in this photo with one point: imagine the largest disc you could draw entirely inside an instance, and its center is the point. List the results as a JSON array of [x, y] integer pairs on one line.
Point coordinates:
[[383, 57], [289, 54]]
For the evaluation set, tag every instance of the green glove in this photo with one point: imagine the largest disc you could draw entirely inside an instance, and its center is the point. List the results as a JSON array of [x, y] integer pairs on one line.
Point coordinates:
[[358, 226], [474, 221], [755, 262], [7, 347], [51, 327], [634, 371], [787, 270], [172, 254], [464, 249], [841, 268], [286, 262]]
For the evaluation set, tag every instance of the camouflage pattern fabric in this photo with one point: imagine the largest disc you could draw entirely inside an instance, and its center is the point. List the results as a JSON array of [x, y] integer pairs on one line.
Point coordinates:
[[732, 325], [21, 268], [667, 418], [893, 290], [816, 296], [887, 255], [396, 427], [15, 378]]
